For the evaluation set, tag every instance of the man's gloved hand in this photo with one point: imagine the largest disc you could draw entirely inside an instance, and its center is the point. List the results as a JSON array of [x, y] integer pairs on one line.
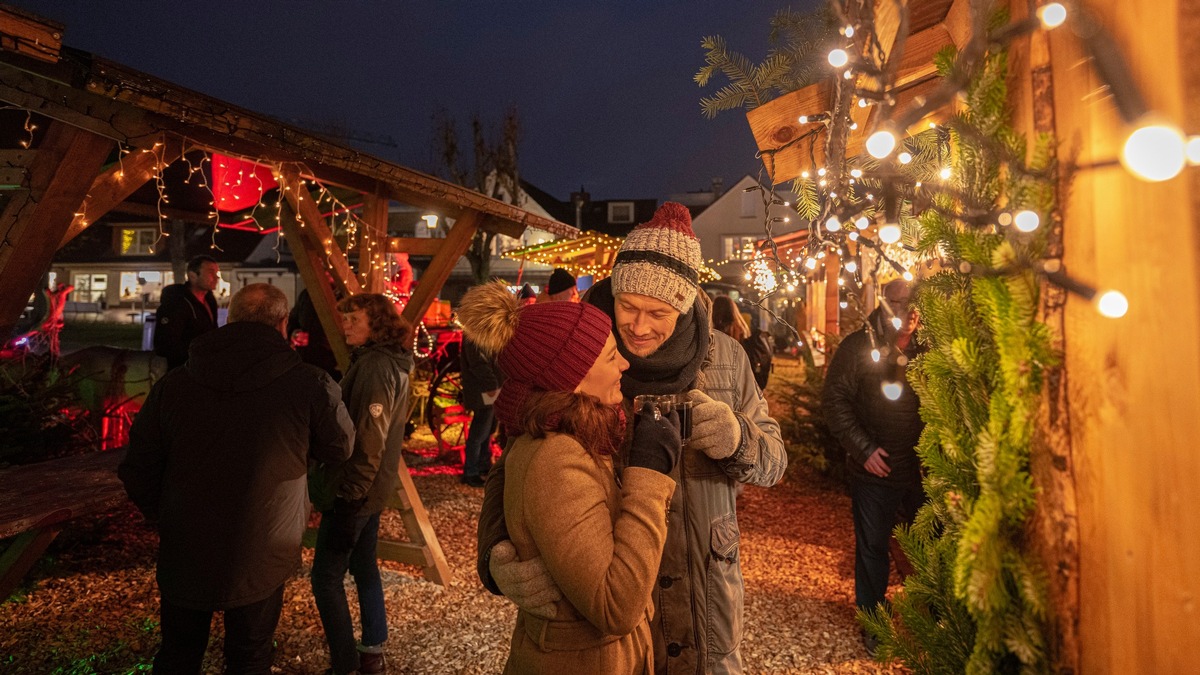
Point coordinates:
[[715, 429], [526, 583], [656, 443], [342, 530]]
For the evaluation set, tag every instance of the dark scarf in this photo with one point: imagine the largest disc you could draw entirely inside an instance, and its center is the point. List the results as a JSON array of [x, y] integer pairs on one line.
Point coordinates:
[[674, 366]]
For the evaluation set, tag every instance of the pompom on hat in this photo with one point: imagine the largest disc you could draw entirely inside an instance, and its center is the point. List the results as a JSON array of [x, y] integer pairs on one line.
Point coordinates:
[[661, 259], [543, 347]]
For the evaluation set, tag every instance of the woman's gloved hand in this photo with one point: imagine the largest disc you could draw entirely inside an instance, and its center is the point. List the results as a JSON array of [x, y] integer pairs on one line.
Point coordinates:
[[656, 443]]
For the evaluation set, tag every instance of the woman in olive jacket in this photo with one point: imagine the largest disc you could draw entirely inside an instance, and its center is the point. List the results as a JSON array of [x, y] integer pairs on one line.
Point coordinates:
[[350, 496], [601, 535]]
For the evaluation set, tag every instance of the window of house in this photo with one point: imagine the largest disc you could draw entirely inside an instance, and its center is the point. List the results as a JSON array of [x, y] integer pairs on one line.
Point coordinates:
[[620, 212], [90, 287], [136, 240], [738, 247], [751, 202]]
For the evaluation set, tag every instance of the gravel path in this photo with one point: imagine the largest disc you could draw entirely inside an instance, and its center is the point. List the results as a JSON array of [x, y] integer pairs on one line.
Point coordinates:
[[91, 604]]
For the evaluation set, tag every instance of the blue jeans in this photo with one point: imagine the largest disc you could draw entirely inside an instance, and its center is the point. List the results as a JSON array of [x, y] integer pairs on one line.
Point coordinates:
[[328, 583], [878, 507], [477, 458]]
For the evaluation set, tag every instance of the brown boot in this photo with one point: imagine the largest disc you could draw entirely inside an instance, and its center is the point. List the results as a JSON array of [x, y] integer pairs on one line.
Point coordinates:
[[371, 664]]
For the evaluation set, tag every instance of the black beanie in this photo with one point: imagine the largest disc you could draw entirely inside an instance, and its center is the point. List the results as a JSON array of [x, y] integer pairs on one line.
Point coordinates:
[[526, 292], [560, 280]]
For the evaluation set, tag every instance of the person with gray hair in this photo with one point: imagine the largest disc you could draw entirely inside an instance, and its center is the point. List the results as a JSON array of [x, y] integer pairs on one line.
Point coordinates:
[[218, 458]]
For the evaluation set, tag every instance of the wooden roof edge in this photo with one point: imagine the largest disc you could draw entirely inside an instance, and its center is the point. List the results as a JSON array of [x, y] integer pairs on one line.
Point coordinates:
[[72, 89]]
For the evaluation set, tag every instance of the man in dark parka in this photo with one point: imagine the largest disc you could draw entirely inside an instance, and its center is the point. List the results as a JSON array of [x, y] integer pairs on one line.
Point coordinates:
[[218, 458]]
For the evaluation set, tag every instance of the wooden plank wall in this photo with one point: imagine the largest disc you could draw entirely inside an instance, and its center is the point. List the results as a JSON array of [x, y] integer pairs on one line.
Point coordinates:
[[1133, 385]]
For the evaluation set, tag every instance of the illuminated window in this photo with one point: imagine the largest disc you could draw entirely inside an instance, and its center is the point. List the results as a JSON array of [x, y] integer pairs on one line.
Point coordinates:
[[90, 287], [738, 247], [136, 240]]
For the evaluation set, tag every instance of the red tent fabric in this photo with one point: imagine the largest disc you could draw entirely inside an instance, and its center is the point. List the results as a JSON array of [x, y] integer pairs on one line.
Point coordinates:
[[238, 184]]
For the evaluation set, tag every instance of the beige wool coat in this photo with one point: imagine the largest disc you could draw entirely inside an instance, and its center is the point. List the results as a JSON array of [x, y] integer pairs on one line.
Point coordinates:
[[602, 543]]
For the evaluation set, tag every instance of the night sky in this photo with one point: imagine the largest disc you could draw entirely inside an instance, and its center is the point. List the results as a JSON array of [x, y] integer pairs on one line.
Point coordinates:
[[604, 89]]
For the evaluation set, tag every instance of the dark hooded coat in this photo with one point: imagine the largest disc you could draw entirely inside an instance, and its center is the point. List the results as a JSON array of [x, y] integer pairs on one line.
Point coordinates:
[[218, 457]]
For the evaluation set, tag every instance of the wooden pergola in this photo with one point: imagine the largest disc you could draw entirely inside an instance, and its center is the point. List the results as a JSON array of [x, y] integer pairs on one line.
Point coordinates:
[[104, 130], [591, 254]]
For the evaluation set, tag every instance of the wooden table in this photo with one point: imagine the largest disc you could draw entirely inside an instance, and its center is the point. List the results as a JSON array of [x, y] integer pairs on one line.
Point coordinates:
[[38, 500]]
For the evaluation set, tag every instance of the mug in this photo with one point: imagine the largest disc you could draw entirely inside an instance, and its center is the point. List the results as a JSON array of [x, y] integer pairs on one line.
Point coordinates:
[[662, 404]]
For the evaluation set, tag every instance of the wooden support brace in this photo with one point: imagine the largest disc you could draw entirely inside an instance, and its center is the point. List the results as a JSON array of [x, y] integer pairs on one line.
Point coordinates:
[[422, 550], [316, 235], [34, 221], [312, 269], [25, 550], [454, 246], [373, 243], [121, 180]]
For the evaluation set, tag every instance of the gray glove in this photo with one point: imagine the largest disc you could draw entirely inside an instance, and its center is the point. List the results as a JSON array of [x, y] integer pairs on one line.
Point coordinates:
[[526, 583], [715, 429]]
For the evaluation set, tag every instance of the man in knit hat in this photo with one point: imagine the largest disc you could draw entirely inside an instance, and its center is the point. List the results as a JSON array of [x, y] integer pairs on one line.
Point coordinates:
[[560, 287], [663, 328]]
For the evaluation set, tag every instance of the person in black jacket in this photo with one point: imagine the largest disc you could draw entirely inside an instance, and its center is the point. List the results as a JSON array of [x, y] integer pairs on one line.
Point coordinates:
[[873, 412], [481, 386], [351, 496], [186, 311], [217, 458]]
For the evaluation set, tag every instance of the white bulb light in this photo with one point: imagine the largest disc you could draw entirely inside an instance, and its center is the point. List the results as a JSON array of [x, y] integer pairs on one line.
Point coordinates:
[[875, 355], [892, 390], [896, 322], [889, 233], [1154, 152], [945, 173], [908, 275], [881, 144], [862, 222], [1052, 15], [833, 224], [904, 157], [1026, 221], [811, 263], [1112, 304], [848, 31], [843, 304], [1192, 150], [853, 236], [838, 58], [851, 266]]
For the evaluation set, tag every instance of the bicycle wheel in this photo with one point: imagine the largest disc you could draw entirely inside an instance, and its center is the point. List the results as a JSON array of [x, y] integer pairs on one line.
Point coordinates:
[[449, 419]]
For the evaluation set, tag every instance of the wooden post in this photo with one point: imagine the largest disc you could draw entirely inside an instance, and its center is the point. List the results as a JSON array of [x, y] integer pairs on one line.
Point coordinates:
[[833, 269], [313, 272], [35, 220], [373, 243], [454, 246], [120, 181]]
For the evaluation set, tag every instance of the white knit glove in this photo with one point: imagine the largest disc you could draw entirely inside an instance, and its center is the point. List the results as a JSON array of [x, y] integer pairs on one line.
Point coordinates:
[[715, 429]]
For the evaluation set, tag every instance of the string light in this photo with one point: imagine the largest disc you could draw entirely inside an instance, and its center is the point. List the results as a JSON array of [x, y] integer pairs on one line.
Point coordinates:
[[889, 233], [892, 390], [1112, 304], [881, 143], [904, 157], [1026, 221], [1192, 150], [1154, 151], [838, 58], [1052, 15]]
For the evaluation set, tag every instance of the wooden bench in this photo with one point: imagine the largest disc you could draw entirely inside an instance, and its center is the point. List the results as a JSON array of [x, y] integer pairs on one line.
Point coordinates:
[[38, 500]]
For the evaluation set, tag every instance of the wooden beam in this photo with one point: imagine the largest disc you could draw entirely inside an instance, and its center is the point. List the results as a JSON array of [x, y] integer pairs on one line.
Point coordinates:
[[455, 245], [420, 531], [415, 246], [34, 221], [122, 103], [313, 271], [373, 243], [316, 235], [121, 180]]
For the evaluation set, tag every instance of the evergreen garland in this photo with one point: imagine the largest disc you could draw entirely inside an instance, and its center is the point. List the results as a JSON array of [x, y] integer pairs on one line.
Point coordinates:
[[977, 601]]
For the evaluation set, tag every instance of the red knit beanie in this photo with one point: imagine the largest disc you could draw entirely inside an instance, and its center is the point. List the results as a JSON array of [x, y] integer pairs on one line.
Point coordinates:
[[544, 347]]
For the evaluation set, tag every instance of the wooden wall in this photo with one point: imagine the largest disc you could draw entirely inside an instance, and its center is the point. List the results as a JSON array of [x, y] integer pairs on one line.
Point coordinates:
[[1132, 385]]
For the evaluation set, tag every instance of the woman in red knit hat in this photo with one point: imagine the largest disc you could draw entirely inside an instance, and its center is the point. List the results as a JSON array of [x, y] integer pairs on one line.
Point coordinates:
[[599, 531]]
